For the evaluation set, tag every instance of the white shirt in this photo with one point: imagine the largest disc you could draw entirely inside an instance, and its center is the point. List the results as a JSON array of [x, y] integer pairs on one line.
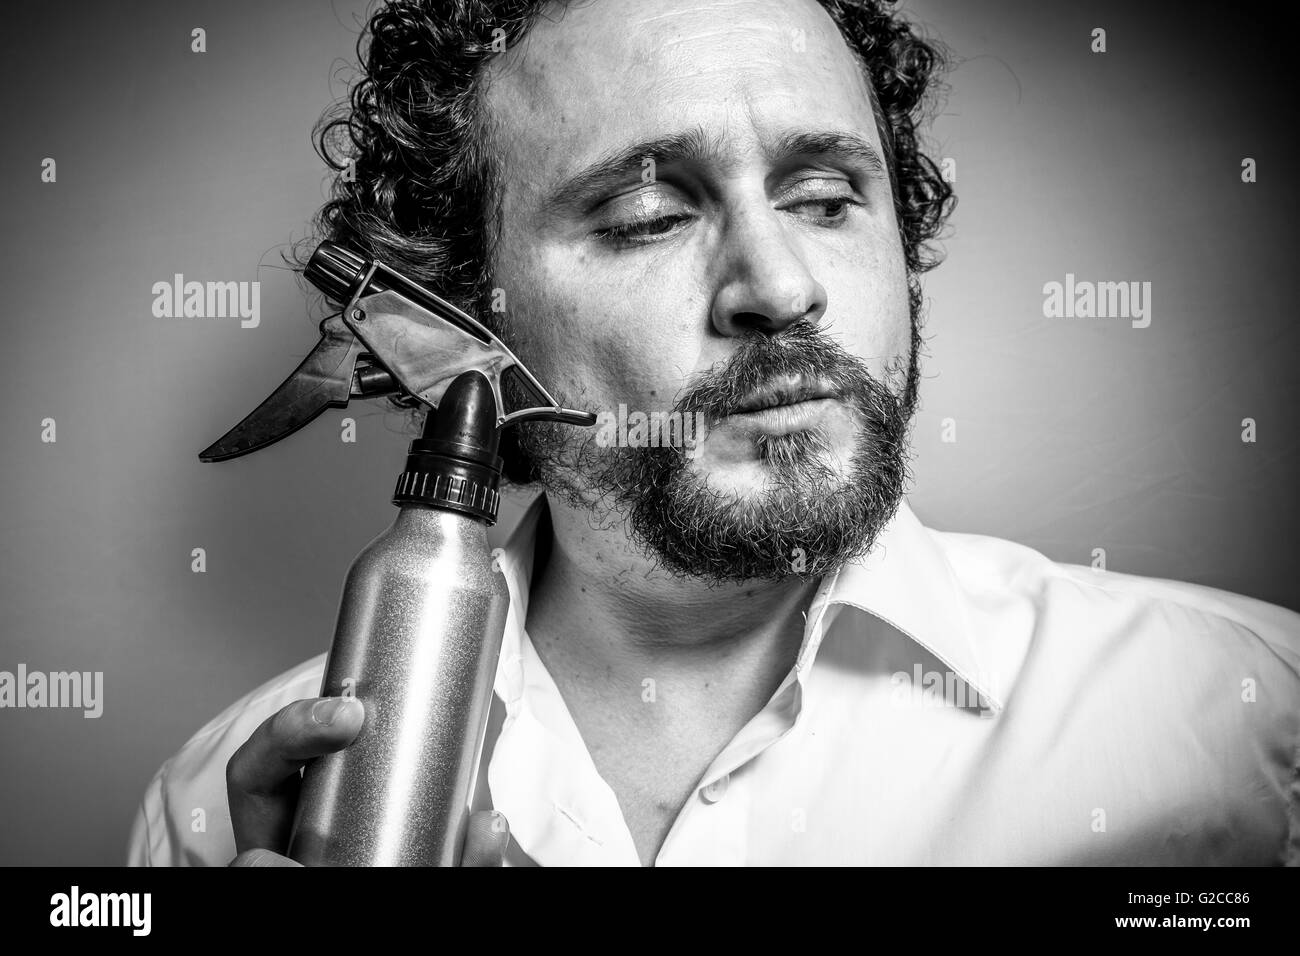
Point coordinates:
[[957, 699]]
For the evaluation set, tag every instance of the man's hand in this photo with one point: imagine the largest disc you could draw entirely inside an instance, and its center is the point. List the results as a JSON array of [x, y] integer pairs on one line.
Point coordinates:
[[262, 782]]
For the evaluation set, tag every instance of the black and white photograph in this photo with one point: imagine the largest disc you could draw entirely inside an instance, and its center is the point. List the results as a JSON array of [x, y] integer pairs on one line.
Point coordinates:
[[651, 433]]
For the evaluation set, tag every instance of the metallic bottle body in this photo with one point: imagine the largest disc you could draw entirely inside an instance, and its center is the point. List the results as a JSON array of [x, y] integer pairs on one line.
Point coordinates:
[[418, 637]]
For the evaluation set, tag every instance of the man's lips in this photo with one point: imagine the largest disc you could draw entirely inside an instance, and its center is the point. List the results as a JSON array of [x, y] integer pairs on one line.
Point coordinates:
[[785, 405], [786, 391], [785, 418]]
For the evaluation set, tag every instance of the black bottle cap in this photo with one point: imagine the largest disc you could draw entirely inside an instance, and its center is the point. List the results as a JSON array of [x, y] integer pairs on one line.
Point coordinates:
[[335, 270], [454, 465]]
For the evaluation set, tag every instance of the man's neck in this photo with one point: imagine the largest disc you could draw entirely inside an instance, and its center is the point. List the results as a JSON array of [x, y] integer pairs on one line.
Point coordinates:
[[603, 615], [659, 673]]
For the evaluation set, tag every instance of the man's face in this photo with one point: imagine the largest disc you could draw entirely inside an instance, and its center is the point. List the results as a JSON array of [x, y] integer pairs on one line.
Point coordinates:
[[695, 208]]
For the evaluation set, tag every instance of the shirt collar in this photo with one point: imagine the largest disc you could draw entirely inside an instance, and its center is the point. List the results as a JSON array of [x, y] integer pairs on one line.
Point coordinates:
[[907, 582], [904, 580]]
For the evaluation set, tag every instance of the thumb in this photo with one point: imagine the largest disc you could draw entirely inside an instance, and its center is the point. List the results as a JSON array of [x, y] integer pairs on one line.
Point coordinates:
[[259, 857], [486, 839]]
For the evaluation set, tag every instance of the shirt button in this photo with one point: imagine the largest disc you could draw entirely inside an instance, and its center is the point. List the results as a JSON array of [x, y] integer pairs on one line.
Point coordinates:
[[715, 791]]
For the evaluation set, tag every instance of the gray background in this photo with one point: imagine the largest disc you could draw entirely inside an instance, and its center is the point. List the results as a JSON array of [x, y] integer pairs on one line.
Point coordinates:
[[1072, 435]]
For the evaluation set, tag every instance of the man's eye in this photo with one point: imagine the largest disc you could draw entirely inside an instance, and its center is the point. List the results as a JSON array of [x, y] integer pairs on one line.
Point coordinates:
[[644, 230], [832, 210]]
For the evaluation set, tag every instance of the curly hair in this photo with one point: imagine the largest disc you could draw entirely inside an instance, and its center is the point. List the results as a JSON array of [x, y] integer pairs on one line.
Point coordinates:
[[419, 189]]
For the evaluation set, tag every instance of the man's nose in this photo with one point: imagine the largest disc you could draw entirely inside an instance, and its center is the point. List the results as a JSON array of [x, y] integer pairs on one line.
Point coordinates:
[[766, 284]]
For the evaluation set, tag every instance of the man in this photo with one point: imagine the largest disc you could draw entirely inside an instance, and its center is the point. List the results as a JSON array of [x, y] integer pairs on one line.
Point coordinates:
[[745, 649]]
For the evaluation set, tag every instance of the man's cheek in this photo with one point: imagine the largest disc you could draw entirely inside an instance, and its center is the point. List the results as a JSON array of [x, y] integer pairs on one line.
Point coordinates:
[[869, 319], [636, 367], [547, 323]]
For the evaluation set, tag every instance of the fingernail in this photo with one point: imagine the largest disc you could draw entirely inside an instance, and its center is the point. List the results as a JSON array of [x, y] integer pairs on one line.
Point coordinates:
[[325, 711]]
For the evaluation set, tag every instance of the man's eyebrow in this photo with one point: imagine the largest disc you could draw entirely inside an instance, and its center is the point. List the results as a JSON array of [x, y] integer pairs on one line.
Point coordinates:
[[827, 143], [699, 145], [693, 144]]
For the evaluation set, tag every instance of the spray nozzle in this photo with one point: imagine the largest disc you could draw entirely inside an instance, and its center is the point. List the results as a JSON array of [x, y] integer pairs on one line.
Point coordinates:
[[393, 338]]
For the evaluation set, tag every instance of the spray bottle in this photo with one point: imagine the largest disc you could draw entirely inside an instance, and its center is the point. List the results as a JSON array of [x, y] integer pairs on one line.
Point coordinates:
[[423, 609]]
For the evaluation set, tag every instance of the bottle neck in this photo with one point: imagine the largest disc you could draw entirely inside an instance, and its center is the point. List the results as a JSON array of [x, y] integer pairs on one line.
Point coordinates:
[[454, 464], [443, 524]]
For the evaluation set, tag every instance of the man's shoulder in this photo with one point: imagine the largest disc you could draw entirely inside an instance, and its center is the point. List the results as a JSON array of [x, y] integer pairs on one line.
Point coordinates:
[[1047, 592], [184, 819], [1178, 702]]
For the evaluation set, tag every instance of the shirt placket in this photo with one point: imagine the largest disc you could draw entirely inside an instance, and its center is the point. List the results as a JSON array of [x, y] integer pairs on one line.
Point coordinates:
[[561, 812], [712, 828]]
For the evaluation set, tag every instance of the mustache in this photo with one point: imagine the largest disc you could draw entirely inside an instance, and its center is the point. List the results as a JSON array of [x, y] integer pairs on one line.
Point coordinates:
[[801, 350]]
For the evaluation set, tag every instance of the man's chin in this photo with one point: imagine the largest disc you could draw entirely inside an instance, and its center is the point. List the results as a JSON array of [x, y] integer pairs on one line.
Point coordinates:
[[772, 473], [794, 511], [746, 453], [799, 521], [749, 503]]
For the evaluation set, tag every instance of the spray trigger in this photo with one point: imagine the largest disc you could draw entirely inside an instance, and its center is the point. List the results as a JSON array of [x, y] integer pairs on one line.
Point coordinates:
[[393, 337]]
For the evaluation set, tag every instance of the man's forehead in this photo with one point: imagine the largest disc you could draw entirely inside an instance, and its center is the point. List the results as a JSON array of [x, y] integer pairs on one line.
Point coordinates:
[[599, 75]]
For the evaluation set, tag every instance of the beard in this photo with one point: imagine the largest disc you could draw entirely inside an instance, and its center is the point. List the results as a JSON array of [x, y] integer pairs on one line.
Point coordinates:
[[805, 521]]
